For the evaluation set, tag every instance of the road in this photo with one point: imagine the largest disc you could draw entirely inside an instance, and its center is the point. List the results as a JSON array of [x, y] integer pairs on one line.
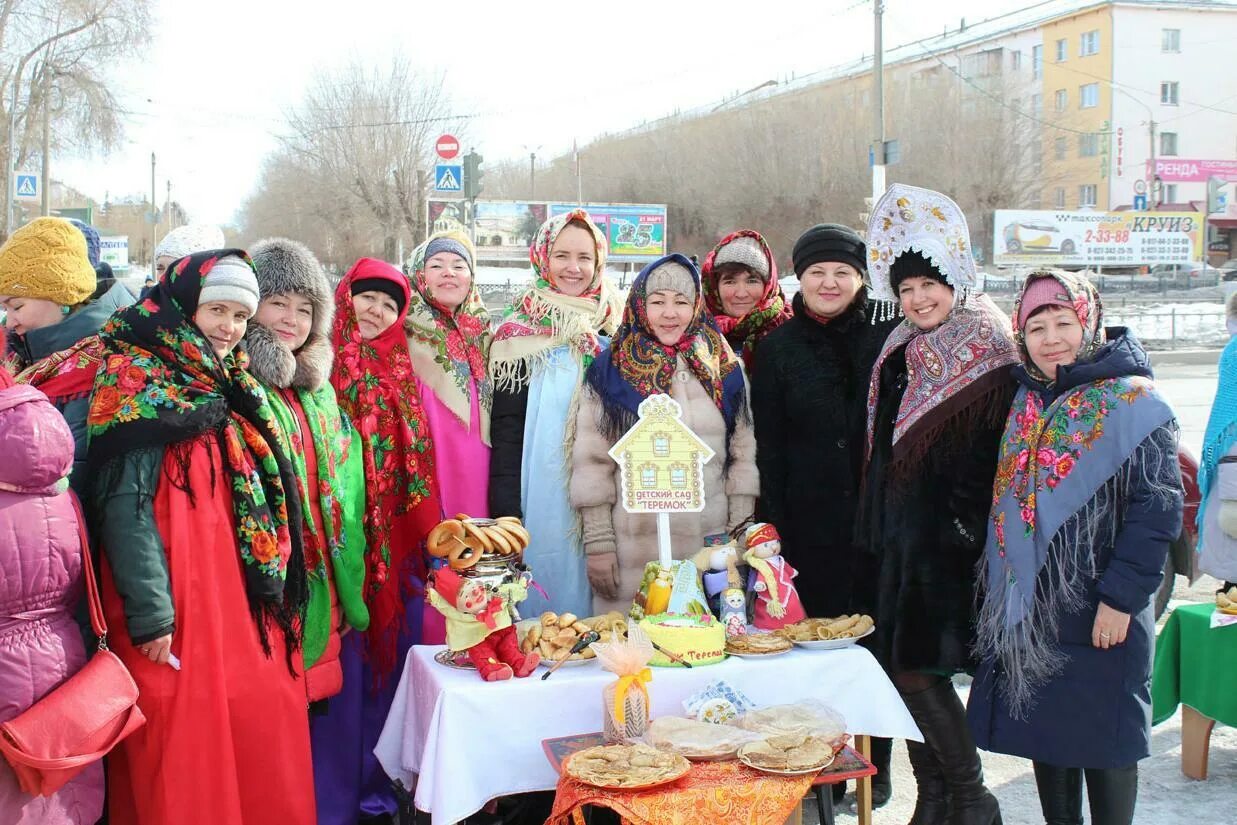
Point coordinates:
[[1188, 380]]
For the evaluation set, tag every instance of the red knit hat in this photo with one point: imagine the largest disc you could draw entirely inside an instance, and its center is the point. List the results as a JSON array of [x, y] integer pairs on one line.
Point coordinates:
[[447, 584]]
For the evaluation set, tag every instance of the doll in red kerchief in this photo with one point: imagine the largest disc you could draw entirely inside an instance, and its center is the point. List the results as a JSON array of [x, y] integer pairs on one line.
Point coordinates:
[[776, 602]]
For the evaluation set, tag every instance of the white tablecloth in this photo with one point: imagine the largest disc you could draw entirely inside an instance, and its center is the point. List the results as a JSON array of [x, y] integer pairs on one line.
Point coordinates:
[[472, 741]]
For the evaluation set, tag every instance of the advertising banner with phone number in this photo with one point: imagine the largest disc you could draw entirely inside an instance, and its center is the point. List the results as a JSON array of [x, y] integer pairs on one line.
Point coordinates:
[[1086, 238], [636, 231]]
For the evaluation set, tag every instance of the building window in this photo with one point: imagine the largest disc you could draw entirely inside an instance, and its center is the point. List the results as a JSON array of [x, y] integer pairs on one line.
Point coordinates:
[[1086, 194], [1170, 193], [1168, 143], [1089, 43], [1059, 197], [1062, 50], [1168, 92], [1088, 145], [1089, 96], [1037, 62], [1037, 105], [1059, 148], [1170, 40], [1015, 60], [1062, 100]]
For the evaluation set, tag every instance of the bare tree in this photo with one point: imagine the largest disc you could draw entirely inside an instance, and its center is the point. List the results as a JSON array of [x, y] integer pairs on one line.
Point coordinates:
[[53, 59], [355, 159]]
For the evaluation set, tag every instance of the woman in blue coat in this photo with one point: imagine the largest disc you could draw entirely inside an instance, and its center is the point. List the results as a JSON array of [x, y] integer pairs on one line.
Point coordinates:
[[1087, 498]]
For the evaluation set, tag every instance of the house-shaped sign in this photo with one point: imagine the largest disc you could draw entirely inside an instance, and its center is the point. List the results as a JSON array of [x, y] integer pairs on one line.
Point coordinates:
[[661, 461]]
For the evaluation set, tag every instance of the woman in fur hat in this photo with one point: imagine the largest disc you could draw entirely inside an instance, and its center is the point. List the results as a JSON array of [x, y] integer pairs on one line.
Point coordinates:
[[809, 393], [1086, 502], [742, 292], [46, 288], [204, 574], [666, 345], [377, 389], [938, 397], [547, 339], [290, 353]]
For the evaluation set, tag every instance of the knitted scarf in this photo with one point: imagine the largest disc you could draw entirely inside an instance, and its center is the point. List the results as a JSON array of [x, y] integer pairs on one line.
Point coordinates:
[[638, 365], [161, 385], [450, 348], [375, 384], [1221, 431], [769, 313], [949, 368], [543, 318], [1066, 465]]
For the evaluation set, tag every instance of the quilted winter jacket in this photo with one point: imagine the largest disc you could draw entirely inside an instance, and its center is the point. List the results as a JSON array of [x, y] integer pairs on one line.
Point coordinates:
[[40, 583]]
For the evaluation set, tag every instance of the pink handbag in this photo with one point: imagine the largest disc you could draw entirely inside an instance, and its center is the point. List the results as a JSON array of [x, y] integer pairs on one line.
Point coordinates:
[[81, 720]]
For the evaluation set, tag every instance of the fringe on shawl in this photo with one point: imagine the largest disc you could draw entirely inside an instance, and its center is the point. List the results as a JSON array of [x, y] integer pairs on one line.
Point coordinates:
[[1028, 652]]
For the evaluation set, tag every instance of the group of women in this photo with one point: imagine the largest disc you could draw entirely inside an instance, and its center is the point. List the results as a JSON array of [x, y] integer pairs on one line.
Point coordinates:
[[264, 458]]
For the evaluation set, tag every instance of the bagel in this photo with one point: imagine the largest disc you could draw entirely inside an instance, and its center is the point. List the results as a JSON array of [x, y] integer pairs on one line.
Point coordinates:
[[464, 556], [516, 532], [487, 544], [502, 541], [444, 538]]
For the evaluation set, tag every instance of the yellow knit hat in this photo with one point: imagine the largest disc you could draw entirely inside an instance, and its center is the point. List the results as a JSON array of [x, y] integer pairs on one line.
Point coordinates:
[[47, 259]]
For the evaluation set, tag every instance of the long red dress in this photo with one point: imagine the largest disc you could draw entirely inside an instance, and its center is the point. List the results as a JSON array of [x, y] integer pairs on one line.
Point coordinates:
[[226, 740]]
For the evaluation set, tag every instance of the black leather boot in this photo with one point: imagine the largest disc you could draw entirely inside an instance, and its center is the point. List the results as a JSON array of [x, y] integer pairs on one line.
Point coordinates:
[[1060, 793], [882, 782], [1112, 793], [932, 804], [941, 717]]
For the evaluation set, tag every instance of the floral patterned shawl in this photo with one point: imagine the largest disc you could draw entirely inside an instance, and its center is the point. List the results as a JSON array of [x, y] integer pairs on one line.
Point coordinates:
[[638, 365], [543, 318], [770, 312], [1066, 461], [450, 349], [375, 386], [161, 385]]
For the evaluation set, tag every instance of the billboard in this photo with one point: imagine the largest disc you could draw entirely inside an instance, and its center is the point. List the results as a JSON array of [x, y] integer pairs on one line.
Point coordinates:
[[636, 231], [504, 229], [1192, 170], [1060, 238], [114, 249]]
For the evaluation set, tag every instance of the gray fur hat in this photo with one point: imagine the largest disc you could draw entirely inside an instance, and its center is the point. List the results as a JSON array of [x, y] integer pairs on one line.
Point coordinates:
[[287, 266]]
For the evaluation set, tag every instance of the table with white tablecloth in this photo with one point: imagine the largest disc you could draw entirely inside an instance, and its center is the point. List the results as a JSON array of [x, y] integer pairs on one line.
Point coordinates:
[[471, 741]]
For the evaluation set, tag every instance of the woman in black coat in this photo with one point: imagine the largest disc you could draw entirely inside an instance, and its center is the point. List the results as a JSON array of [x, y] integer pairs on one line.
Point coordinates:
[[809, 394], [1087, 499], [939, 394]]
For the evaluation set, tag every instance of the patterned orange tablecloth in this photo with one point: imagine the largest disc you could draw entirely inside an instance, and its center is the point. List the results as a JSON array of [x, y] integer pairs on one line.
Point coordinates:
[[711, 792]]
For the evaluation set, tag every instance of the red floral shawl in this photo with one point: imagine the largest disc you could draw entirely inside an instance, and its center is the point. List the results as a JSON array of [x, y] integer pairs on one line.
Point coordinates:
[[770, 312], [375, 384]]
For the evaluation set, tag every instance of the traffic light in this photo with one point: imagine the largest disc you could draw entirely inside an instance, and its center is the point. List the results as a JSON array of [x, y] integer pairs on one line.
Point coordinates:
[[472, 175], [1216, 202]]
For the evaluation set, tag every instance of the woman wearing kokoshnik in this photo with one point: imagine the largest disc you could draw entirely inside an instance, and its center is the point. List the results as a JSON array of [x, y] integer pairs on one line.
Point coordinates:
[[448, 331], [376, 389], [547, 339], [937, 401], [668, 345], [742, 292], [1087, 500], [290, 353], [47, 284], [204, 573]]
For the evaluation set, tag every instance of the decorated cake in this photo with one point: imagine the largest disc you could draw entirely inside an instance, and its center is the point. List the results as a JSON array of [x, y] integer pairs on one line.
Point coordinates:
[[701, 640]]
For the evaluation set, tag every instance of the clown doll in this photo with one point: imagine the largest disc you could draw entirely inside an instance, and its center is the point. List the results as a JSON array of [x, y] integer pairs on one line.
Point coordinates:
[[479, 622], [771, 579]]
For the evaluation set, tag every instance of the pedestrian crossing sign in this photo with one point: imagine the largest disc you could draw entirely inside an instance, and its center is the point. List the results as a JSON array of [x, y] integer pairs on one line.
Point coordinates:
[[447, 178], [26, 186]]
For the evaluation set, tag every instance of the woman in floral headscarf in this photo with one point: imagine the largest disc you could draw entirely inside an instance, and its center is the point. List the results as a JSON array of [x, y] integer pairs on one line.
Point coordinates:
[[448, 331], [666, 345], [204, 575], [939, 394], [373, 377], [742, 292], [1086, 501], [546, 341]]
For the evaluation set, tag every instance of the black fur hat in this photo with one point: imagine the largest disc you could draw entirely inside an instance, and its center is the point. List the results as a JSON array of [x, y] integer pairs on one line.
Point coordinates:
[[286, 266]]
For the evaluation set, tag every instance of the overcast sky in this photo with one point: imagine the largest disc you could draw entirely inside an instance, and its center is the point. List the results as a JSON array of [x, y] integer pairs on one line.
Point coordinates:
[[208, 96]]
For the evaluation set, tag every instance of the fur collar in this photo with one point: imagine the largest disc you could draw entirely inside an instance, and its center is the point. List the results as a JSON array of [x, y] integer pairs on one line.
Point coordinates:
[[272, 363]]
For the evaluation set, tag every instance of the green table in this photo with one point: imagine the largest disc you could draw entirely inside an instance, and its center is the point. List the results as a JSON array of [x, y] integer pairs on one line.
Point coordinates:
[[1196, 667]]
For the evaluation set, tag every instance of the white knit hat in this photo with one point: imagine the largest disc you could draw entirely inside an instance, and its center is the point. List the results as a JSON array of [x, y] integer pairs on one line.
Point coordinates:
[[674, 277], [231, 279], [190, 238], [745, 251]]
